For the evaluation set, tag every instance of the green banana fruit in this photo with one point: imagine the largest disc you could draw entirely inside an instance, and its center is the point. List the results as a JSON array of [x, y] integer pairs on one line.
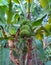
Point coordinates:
[[24, 33], [25, 27]]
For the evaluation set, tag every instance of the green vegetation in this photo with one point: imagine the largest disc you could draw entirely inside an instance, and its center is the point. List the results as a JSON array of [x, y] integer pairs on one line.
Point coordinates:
[[25, 32]]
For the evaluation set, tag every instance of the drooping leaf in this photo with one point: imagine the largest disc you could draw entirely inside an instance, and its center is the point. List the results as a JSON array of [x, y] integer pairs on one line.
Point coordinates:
[[40, 29], [6, 38], [38, 21], [49, 20], [39, 44], [39, 36], [9, 13], [16, 1], [48, 27], [49, 5], [44, 3], [2, 10], [40, 48]]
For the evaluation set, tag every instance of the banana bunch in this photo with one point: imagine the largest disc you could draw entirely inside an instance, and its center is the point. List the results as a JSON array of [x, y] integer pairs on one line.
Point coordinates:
[[26, 29]]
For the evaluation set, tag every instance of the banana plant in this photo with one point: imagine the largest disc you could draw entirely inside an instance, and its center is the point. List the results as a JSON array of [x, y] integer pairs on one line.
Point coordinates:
[[26, 40]]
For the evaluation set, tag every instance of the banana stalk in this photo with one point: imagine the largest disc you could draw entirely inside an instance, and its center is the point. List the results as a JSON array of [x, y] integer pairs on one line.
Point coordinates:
[[29, 5]]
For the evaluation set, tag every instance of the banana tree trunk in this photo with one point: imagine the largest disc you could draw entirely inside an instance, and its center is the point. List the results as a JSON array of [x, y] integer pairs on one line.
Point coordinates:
[[29, 51], [33, 58]]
